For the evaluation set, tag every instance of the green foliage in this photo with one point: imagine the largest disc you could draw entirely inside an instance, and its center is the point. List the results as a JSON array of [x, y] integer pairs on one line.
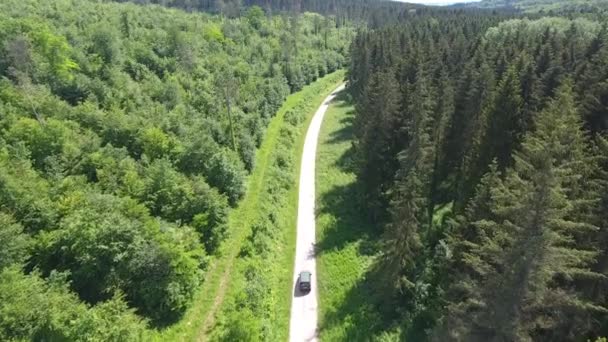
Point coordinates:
[[213, 32], [43, 140], [55, 51], [243, 327], [15, 243], [24, 194], [127, 133], [224, 170], [155, 143], [32, 308], [255, 16], [258, 299], [105, 43], [520, 257], [109, 244], [543, 5]]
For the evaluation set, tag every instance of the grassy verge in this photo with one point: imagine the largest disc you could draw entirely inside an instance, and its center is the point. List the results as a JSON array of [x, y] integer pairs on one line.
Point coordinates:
[[259, 300], [346, 242], [262, 230]]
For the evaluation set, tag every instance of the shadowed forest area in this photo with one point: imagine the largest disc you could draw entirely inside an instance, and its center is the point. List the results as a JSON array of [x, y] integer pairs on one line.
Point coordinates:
[[481, 151], [346, 239]]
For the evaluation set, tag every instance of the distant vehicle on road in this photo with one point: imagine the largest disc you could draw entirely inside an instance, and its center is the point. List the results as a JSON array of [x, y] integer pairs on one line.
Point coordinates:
[[304, 281]]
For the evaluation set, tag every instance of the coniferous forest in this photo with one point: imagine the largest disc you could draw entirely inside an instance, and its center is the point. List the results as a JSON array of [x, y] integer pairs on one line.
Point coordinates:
[[130, 130], [481, 149]]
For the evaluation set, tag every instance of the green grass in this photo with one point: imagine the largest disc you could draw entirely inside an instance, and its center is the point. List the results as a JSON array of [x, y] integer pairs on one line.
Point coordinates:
[[289, 214], [209, 301], [277, 266], [346, 241]]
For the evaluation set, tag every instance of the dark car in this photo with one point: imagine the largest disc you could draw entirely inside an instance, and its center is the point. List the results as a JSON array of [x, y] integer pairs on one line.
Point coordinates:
[[304, 281]]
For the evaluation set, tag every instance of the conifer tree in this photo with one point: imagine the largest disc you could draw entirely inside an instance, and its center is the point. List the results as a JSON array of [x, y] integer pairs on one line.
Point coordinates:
[[375, 128], [402, 237], [470, 244], [410, 214], [520, 253], [534, 258], [443, 114], [472, 167], [593, 84], [505, 121]]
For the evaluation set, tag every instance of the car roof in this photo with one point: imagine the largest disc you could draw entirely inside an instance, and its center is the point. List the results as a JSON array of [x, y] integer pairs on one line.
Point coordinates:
[[305, 276]]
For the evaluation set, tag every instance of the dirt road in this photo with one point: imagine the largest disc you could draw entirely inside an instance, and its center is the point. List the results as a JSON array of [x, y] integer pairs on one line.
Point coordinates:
[[303, 321]]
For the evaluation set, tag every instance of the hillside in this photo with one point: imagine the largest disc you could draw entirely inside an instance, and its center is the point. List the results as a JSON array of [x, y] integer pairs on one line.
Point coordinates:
[[127, 136], [342, 9], [543, 5]]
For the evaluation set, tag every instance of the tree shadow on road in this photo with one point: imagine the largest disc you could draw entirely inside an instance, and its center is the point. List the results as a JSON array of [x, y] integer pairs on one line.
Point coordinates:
[[342, 100]]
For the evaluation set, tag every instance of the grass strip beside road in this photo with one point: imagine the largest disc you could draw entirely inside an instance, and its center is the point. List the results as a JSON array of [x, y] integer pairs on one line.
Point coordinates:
[[285, 278], [346, 242], [209, 302]]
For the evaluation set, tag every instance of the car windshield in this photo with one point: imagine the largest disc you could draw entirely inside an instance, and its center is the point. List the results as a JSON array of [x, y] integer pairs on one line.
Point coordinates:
[[305, 277]]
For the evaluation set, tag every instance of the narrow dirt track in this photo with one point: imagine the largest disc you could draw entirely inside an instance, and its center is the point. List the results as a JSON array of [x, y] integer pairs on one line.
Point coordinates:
[[303, 321]]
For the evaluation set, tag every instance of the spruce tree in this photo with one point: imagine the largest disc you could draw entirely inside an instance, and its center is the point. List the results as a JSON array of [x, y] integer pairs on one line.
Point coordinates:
[[505, 121], [375, 128], [410, 213], [593, 85], [470, 244], [472, 167], [402, 237], [532, 263]]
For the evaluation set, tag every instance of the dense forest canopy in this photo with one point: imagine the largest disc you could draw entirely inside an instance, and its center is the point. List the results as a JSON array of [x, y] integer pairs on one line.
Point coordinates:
[[543, 5], [126, 135], [128, 130], [354, 9], [481, 148], [372, 13]]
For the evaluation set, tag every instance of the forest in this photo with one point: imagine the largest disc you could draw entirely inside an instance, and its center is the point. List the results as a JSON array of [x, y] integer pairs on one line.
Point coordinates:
[[482, 156], [127, 134], [130, 131], [351, 9], [544, 5]]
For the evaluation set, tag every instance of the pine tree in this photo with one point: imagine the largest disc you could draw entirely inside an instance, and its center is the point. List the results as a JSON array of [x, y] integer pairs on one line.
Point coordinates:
[[472, 246], [410, 214], [376, 127], [443, 114], [535, 259], [505, 121], [593, 85], [472, 167]]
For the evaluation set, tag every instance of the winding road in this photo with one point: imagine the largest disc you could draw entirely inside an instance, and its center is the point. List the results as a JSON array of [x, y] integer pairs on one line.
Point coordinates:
[[303, 321]]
